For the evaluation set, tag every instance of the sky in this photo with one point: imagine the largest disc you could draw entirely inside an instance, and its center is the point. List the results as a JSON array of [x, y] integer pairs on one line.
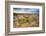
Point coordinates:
[[33, 10]]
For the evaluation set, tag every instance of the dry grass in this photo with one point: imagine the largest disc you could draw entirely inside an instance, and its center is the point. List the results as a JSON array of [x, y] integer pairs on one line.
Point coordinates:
[[25, 20]]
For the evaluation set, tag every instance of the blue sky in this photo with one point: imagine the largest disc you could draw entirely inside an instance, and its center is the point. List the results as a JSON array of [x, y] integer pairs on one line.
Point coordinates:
[[27, 9]]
